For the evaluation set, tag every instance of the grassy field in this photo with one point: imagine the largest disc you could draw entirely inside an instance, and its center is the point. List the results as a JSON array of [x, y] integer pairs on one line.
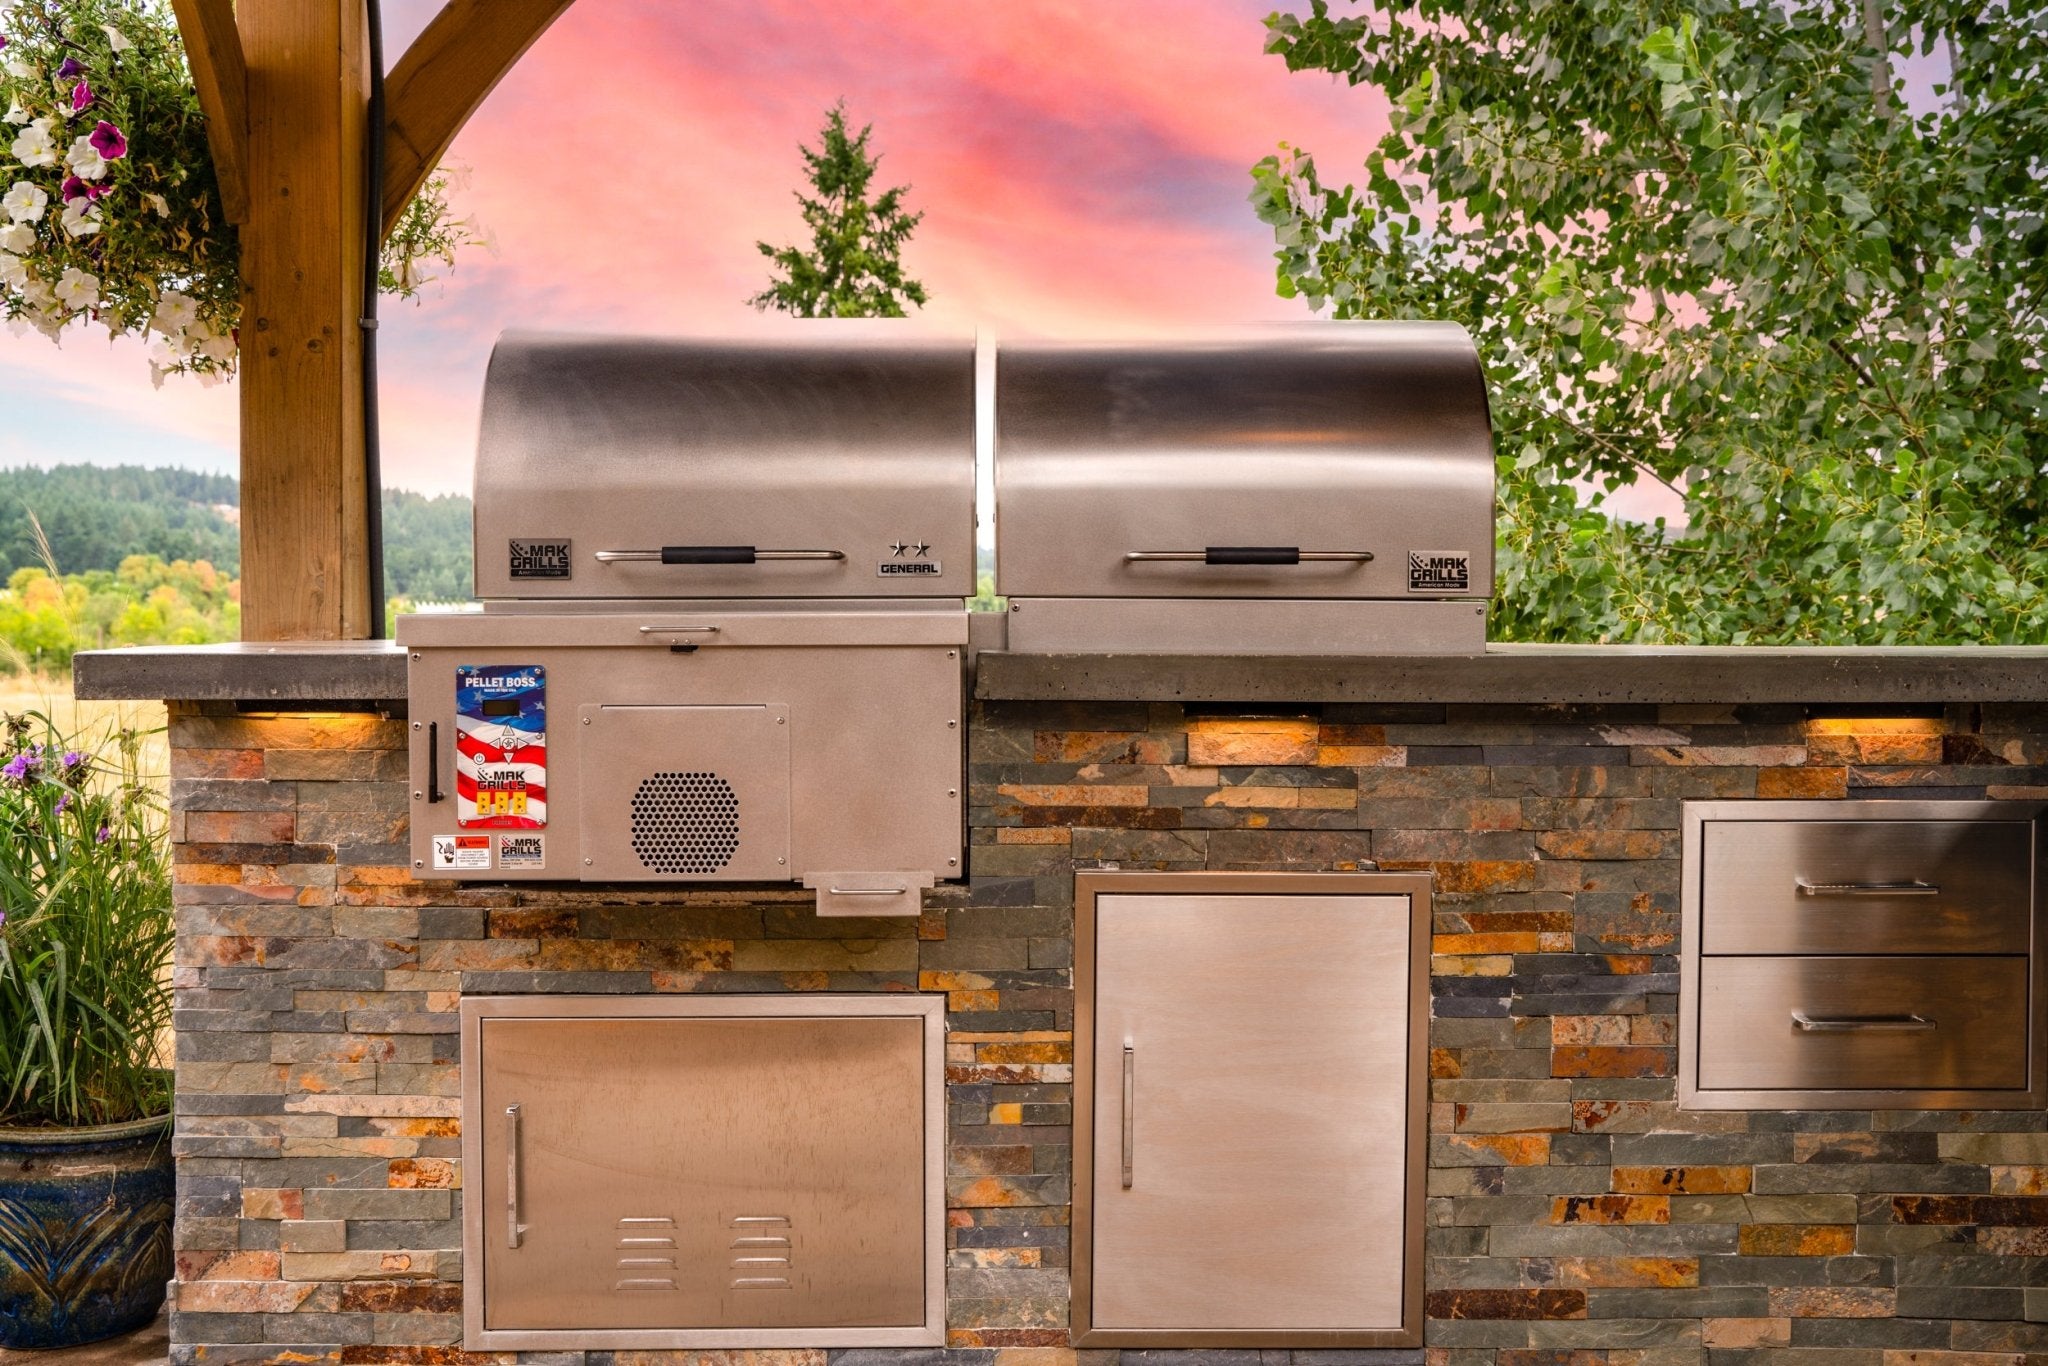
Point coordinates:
[[50, 694]]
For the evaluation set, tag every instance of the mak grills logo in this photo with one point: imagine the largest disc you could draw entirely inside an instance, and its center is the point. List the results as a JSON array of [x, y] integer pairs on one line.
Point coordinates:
[[539, 559], [912, 559], [1439, 571]]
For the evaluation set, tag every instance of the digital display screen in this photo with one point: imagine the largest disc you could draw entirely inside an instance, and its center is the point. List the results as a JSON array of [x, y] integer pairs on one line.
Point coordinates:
[[500, 706]]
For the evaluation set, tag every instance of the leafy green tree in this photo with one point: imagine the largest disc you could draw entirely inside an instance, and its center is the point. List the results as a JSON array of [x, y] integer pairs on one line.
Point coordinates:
[[853, 267], [1714, 245]]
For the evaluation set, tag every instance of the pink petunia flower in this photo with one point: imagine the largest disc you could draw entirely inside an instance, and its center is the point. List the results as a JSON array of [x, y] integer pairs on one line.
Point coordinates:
[[81, 96], [74, 188], [107, 140]]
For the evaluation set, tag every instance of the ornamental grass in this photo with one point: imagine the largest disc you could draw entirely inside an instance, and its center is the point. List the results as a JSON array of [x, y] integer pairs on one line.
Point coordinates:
[[85, 945]]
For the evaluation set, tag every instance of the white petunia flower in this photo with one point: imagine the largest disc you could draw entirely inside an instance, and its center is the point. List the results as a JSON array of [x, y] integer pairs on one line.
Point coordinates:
[[35, 147], [81, 216], [20, 70], [13, 271], [218, 348], [24, 202], [174, 313], [78, 289], [16, 115], [37, 294], [85, 160], [17, 237], [160, 204], [116, 39]]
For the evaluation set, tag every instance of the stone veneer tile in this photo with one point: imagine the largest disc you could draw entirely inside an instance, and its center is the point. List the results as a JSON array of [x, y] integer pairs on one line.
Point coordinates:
[[317, 986]]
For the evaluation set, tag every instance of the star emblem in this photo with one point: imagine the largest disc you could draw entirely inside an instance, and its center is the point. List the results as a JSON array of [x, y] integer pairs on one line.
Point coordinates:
[[897, 548]]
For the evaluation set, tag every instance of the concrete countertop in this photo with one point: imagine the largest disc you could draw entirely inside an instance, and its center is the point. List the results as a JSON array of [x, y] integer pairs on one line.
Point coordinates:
[[374, 671]]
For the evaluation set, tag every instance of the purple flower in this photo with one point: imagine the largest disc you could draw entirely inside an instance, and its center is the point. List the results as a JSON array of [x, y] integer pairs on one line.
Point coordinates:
[[74, 188], [22, 767], [64, 803], [72, 759], [81, 96], [70, 68], [106, 139], [102, 835]]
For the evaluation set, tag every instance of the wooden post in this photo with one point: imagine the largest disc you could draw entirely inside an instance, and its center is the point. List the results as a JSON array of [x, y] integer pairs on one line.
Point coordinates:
[[301, 348], [286, 88]]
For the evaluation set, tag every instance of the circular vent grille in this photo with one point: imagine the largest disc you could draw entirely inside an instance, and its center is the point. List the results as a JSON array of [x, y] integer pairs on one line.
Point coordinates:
[[685, 822]]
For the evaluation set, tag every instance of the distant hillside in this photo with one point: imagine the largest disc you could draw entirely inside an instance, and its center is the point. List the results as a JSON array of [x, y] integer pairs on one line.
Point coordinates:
[[96, 516]]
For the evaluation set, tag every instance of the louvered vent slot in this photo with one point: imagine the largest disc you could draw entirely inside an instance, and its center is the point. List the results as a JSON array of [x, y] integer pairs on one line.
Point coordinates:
[[685, 822]]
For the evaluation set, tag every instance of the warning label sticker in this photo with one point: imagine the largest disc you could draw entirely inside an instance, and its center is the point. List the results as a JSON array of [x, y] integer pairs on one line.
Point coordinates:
[[522, 851], [501, 755], [462, 851]]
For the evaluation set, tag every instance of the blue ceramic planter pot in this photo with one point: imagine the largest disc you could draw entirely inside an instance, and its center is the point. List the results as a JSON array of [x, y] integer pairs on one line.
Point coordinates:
[[85, 1231]]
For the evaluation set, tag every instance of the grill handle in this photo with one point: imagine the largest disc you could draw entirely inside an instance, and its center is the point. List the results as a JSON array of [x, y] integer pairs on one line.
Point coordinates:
[[1861, 1024], [1912, 888], [1249, 554], [1130, 1117], [711, 554]]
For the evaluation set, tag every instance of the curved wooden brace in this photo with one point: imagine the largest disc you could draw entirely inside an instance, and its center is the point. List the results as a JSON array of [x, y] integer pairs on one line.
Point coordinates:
[[447, 72], [213, 50]]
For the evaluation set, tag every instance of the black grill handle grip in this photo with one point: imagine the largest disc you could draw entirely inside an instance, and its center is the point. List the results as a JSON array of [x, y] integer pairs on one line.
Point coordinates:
[[1249, 554], [708, 554], [1252, 554]]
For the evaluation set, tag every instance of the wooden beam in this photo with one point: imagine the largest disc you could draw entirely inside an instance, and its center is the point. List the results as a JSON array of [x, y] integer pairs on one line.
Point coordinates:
[[303, 523], [213, 49], [448, 71]]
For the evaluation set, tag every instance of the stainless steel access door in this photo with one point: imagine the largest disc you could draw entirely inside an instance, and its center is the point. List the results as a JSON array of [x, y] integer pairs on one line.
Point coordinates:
[[1252, 1105], [736, 1172]]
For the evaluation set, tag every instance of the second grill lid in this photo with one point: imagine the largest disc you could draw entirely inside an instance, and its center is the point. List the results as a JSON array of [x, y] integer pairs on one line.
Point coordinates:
[[1316, 460]]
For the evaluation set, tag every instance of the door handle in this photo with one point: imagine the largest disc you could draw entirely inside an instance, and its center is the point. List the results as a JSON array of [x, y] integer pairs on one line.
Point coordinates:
[[867, 891], [514, 1230], [1861, 1024], [1130, 1096], [1915, 887]]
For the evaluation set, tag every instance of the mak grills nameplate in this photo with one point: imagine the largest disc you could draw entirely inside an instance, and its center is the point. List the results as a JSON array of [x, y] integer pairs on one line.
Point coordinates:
[[538, 559], [1439, 571]]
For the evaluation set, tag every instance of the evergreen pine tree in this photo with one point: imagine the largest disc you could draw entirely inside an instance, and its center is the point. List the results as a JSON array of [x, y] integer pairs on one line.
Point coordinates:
[[853, 266]]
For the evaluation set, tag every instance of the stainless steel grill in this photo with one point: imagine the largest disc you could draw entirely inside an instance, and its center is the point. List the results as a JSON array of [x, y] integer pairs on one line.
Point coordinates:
[[723, 620], [1322, 488]]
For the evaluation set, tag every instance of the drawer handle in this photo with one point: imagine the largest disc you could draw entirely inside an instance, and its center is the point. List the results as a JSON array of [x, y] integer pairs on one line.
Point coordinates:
[[867, 891], [1912, 888], [1861, 1024]]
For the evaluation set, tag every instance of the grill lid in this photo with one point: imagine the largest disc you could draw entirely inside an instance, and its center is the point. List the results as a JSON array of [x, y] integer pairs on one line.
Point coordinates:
[[823, 460], [1316, 460]]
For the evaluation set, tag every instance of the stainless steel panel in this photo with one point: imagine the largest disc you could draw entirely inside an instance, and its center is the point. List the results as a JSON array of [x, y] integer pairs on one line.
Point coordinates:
[[1848, 886], [870, 893], [1327, 439], [861, 795], [733, 1172], [855, 440], [1248, 1140], [1848, 1028], [1927, 1023], [683, 793], [1227, 626]]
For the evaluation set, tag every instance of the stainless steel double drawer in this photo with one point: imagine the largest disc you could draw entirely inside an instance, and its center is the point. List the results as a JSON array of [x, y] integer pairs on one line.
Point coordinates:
[[1862, 955]]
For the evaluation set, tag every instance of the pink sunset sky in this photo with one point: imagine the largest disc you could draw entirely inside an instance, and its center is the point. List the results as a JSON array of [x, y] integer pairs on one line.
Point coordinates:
[[1082, 168]]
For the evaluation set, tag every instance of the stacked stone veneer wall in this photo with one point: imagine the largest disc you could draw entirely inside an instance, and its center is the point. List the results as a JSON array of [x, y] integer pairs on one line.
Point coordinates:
[[1575, 1216]]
